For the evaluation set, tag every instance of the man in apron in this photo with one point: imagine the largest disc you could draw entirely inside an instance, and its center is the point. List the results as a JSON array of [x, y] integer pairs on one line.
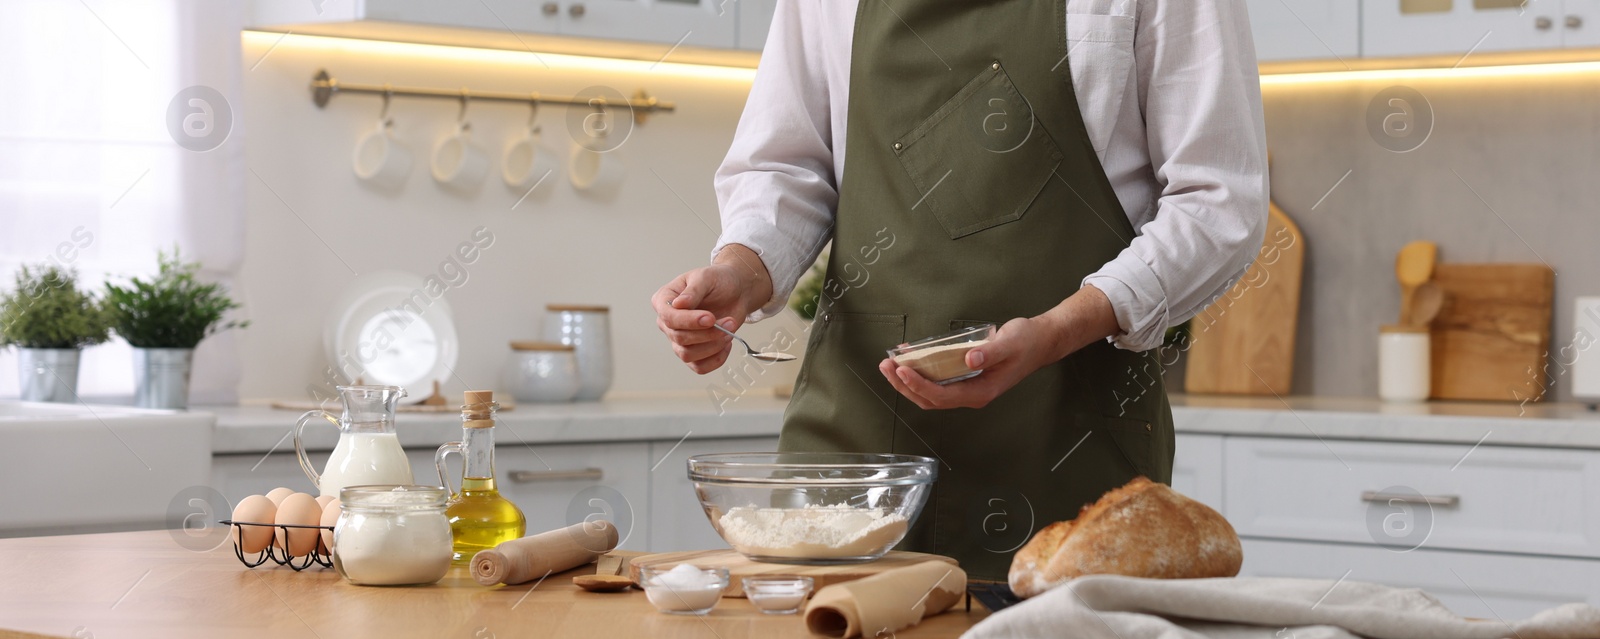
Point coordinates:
[[1070, 170]]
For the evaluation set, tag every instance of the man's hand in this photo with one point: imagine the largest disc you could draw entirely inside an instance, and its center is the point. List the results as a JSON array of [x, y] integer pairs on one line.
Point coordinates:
[[1019, 348], [736, 284]]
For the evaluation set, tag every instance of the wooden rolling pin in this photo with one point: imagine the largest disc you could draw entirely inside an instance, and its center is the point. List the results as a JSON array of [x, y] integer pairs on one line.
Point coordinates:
[[529, 558]]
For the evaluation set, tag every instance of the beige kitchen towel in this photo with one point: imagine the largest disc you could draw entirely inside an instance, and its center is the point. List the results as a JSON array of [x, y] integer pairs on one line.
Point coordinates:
[[1115, 607], [877, 606]]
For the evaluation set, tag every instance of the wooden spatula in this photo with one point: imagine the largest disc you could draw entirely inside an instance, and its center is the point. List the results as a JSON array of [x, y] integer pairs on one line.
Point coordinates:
[[1426, 304], [1414, 267]]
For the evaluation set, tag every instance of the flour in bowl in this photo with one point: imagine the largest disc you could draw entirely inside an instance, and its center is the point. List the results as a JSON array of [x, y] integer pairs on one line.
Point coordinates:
[[812, 532]]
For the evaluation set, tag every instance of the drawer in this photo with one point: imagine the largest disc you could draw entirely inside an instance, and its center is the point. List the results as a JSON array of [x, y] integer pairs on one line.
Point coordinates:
[[1511, 587], [677, 522], [1500, 499], [561, 485], [1197, 468]]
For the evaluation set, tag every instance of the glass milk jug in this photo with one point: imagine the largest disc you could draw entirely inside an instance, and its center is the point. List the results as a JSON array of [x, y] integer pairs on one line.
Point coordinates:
[[368, 451]]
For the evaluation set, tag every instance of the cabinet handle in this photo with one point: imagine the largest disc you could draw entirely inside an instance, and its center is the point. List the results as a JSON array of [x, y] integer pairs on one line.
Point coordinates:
[[1542, 23], [1447, 501], [576, 10], [532, 476], [1574, 22], [550, 8]]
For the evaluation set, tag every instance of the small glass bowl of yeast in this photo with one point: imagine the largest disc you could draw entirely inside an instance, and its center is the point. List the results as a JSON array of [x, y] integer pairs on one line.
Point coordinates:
[[942, 359]]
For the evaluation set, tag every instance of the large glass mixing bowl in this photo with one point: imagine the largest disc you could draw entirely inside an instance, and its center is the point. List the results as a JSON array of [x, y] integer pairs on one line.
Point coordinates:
[[812, 508]]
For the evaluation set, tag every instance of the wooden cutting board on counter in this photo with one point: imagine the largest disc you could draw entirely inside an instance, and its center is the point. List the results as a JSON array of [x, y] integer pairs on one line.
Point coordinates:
[[1492, 335], [739, 567], [1244, 343]]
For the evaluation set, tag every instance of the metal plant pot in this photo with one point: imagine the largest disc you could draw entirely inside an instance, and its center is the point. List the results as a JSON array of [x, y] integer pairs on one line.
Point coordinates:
[[48, 374], [161, 377]]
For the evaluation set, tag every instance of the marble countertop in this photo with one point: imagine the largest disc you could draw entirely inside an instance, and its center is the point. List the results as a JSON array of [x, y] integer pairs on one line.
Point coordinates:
[[257, 429]]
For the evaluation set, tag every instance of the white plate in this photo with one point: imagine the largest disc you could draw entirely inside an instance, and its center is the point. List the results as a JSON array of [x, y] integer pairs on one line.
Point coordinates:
[[386, 329]]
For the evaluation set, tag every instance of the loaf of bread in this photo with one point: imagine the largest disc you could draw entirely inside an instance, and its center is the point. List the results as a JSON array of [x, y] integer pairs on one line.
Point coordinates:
[[1142, 529]]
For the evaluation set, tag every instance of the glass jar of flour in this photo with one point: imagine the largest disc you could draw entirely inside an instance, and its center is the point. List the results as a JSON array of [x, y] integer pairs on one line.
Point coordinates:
[[392, 535]]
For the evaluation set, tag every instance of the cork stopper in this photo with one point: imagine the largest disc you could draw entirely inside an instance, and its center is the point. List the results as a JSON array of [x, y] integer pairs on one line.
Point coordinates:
[[477, 409]]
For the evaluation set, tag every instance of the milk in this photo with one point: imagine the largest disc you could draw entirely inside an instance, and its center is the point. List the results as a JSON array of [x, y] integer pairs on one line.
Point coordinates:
[[365, 458]]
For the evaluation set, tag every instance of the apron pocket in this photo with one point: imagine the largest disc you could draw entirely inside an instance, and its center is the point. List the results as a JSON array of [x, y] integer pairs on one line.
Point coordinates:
[[1133, 438], [982, 158]]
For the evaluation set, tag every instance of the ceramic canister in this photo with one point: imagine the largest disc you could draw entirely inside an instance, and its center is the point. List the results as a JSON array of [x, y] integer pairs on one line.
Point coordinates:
[[587, 329]]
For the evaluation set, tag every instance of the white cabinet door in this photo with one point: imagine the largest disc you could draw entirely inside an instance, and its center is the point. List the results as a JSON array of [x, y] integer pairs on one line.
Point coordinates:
[[702, 23], [1305, 29], [1579, 23], [677, 522], [560, 485], [1197, 468], [1485, 498], [755, 18], [1457, 27], [1482, 585]]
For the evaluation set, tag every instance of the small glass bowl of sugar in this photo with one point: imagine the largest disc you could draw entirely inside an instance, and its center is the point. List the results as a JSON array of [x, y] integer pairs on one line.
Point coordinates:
[[684, 589], [777, 595]]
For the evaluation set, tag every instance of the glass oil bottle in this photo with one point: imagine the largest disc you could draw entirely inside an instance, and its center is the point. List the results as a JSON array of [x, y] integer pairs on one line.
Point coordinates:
[[479, 517]]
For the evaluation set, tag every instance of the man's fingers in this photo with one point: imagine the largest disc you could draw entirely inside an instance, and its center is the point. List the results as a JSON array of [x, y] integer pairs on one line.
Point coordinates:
[[887, 367], [711, 363], [692, 337], [697, 352]]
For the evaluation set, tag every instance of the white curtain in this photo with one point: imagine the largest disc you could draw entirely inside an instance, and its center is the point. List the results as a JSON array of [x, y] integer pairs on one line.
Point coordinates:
[[93, 176]]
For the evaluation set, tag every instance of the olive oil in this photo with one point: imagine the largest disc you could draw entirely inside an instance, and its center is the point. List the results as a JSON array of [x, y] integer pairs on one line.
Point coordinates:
[[480, 517]]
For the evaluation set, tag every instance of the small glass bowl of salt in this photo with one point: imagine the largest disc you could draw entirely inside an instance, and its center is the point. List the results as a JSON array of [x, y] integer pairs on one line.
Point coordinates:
[[777, 595], [684, 589]]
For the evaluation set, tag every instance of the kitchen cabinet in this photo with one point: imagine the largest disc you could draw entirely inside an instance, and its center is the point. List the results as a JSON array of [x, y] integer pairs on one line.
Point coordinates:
[[554, 485], [704, 23], [561, 485], [1197, 468], [1456, 27], [755, 18], [1484, 498], [677, 522], [1482, 585], [1305, 29]]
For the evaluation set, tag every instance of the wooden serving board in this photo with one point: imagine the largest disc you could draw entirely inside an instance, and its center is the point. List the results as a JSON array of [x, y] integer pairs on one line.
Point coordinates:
[[1244, 343], [1492, 335], [738, 567]]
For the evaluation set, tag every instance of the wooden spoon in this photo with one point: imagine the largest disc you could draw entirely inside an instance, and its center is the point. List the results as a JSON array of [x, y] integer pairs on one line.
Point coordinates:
[[1413, 267], [608, 576], [1428, 300]]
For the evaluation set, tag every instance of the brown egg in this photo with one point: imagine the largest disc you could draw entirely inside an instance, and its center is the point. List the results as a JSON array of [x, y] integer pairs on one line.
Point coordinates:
[[257, 509], [322, 502], [299, 509], [330, 516], [277, 495]]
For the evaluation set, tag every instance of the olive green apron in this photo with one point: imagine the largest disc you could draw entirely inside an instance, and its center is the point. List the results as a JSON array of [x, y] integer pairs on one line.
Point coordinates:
[[971, 194]]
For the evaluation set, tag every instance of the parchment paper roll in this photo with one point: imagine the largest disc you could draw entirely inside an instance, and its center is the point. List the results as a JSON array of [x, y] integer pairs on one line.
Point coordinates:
[[529, 558], [885, 602]]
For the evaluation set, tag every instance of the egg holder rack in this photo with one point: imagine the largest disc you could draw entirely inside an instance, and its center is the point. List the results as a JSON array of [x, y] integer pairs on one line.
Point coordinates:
[[298, 564]]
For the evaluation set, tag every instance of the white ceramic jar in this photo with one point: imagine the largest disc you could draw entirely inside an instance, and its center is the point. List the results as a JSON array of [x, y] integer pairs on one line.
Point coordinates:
[[542, 372], [1404, 363], [588, 330], [392, 535]]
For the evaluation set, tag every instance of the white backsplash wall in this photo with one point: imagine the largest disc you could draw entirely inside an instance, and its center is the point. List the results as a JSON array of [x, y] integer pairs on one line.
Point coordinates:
[[1525, 144], [311, 223]]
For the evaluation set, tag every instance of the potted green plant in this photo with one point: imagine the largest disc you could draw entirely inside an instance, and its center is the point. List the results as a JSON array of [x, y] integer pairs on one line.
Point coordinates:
[[50, 320], [163, 319]]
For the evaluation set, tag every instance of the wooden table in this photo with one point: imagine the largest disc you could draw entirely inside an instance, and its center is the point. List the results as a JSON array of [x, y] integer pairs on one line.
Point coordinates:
[[146, 584]]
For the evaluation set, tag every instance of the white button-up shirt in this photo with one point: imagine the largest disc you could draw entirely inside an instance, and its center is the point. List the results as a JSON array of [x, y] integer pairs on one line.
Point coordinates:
[[1172, 104]]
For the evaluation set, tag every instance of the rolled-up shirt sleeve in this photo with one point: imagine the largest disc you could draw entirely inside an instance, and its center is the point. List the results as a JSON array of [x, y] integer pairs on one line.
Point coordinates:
[[776, 188], [1201, 99]]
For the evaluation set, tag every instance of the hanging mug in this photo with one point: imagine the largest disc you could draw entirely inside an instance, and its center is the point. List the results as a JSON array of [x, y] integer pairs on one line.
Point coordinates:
[[591, 170], [382, 159], [457, 162], [526, 162]]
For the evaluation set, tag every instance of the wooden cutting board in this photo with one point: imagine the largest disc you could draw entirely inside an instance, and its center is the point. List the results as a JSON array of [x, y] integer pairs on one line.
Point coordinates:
[[1492, 336], [1244, 343], [738, 566]]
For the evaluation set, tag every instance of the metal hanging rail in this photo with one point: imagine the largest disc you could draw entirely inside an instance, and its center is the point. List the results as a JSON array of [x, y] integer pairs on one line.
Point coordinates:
[[323, 86]]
